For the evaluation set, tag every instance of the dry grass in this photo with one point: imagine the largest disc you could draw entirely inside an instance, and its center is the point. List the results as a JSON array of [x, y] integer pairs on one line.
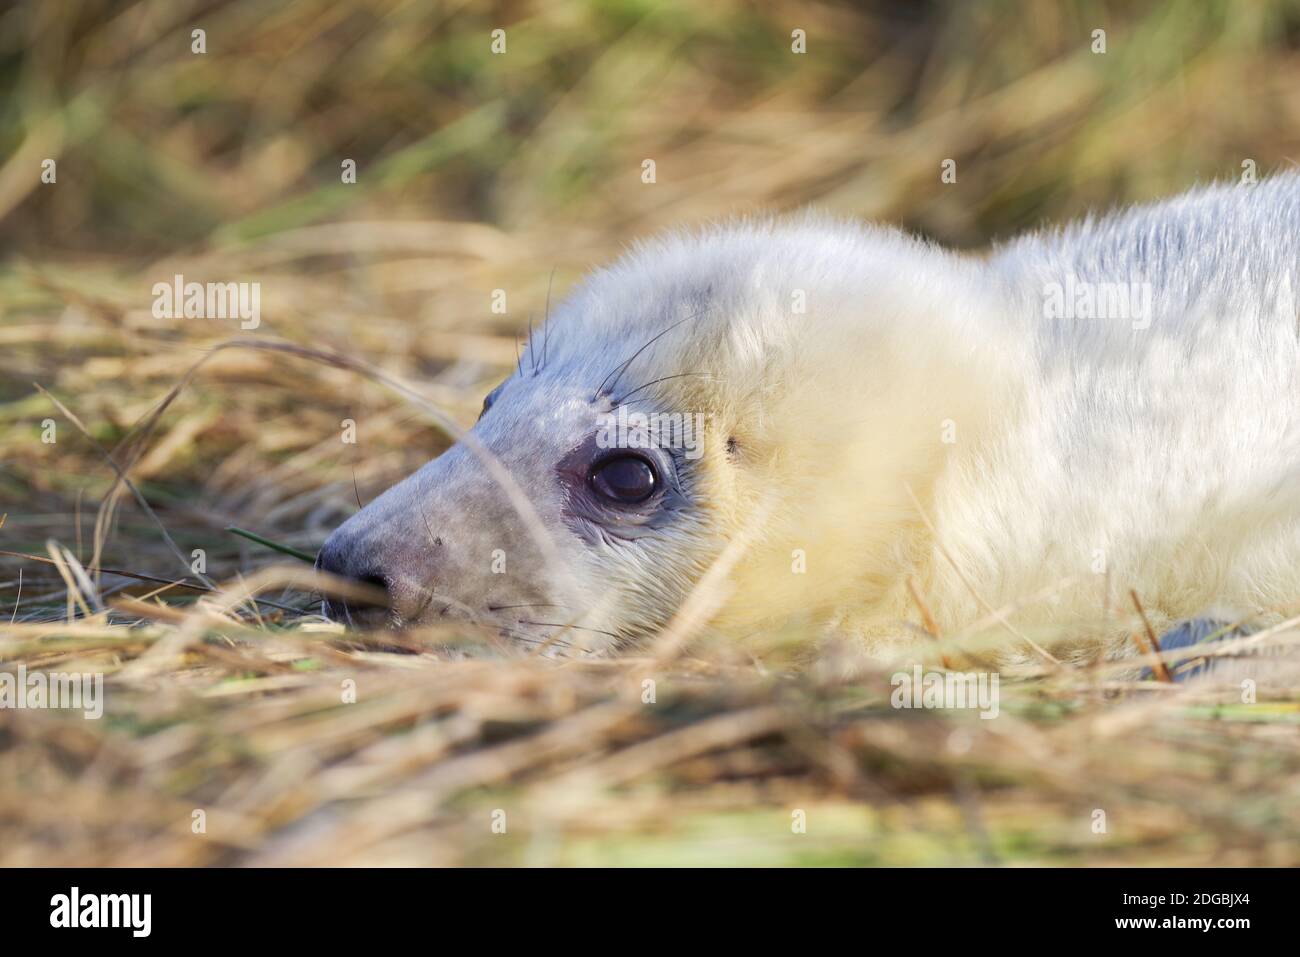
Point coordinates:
[[478, 173]]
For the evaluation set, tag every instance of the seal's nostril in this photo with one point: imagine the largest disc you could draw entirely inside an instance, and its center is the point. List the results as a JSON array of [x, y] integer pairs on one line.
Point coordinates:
[[337, 559], [366, 614], [374, 580]]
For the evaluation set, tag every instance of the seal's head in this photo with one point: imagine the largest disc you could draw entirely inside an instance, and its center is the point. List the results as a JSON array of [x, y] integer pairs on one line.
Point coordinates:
[[699, 384]]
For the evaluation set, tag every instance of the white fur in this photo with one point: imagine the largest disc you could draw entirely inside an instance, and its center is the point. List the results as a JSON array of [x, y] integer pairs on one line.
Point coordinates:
[[1170, 454]]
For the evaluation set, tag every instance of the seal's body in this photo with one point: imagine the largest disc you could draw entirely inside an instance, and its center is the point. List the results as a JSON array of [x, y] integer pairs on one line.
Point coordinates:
[[1111, 406]]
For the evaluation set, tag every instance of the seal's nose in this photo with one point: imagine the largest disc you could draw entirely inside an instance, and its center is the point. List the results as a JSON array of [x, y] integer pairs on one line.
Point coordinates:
[[340, 556]]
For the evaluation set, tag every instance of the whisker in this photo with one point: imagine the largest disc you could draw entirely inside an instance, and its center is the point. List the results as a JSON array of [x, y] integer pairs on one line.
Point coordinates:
[[356, 491], [546, 320], [524, 605], [547, 642], [617, 371], [18, 597], [551, 624], [532, 353], [679, 375]]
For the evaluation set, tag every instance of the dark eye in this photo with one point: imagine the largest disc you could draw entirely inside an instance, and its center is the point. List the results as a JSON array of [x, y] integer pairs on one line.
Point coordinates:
[[489, 399], [624, 479]]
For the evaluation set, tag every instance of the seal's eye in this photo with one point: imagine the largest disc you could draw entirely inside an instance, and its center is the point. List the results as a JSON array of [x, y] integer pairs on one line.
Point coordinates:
[[489, 399], [624, 479]]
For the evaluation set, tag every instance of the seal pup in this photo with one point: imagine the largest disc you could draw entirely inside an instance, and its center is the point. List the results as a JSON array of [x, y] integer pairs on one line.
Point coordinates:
[[877, 417]]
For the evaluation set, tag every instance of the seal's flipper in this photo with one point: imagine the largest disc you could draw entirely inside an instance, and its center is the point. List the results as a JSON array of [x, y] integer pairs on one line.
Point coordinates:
[[1186, 634]]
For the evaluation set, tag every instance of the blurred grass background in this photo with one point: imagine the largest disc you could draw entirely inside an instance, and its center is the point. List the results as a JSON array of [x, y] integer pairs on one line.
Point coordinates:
[[476, 172]]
